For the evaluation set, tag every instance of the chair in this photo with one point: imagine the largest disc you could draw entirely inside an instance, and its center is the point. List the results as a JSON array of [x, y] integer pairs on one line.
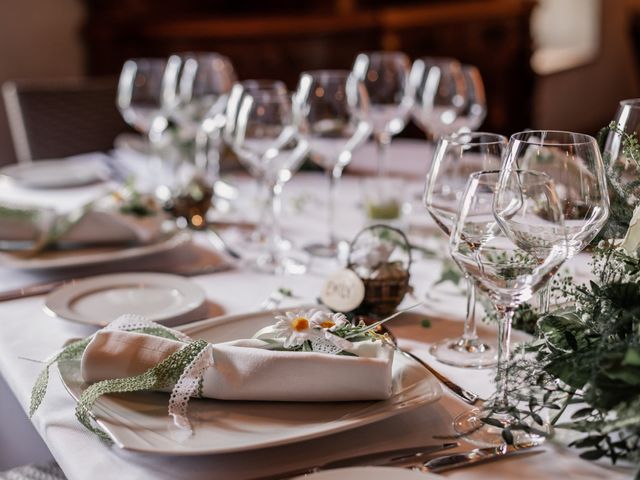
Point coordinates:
[[53, 119]]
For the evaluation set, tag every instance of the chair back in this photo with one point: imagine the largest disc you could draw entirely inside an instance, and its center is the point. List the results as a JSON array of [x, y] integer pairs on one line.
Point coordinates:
[[54, 119]]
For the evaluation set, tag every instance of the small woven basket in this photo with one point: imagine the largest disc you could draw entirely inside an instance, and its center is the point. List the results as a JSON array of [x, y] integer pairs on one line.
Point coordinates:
[[384, 294]]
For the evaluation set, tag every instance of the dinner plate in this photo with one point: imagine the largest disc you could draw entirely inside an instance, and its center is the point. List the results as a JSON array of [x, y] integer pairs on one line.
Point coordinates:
[[140, 422], [370, 473], [53, 259], [63, 173], [101, 299]]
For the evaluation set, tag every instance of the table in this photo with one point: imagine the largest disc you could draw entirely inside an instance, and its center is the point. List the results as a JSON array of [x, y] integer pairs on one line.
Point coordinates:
[[26, 332]]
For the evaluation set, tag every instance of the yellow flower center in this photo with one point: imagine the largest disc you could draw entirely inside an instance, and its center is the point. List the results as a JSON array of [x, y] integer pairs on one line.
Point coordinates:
[[299, 324], [327, 324]]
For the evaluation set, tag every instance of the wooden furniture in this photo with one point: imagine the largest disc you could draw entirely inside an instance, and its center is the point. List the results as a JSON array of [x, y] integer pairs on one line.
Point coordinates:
[[280, 39]]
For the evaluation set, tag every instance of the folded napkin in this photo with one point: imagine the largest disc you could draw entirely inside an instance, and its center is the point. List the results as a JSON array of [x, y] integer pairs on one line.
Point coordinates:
[[108, 220], [245, 370]]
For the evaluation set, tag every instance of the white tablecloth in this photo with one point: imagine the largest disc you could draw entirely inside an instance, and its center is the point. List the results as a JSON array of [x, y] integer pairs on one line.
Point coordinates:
[[28, 335]]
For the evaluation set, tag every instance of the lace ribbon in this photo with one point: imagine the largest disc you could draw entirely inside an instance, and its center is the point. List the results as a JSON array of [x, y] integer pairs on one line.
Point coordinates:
[[183, 370]]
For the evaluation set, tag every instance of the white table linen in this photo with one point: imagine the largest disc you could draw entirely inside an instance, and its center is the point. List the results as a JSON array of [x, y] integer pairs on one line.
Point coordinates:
[[28, 334]]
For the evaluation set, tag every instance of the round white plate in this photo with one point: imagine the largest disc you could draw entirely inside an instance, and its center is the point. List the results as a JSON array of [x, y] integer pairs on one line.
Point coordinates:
[[100, 300], [52, 259], [370, 473], [139, 421], [57, 173]]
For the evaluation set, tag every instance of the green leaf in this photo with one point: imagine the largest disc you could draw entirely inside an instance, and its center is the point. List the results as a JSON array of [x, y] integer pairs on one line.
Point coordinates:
[[494, 422], [632, 357], [583, 412], [592, 454], [425, 323], [587, 442]]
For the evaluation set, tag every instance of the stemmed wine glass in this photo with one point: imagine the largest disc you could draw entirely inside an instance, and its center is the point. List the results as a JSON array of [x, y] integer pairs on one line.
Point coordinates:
[[574, 163], [197, 93], [142, 98], [455, 158], [475, 108], [511, 238], [449, 96], [265, 139], [385, 76], [331, 107]]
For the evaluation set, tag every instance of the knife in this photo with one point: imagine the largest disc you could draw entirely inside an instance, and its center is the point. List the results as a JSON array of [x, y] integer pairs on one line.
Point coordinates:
[[466, 395], [479, 455], [399, 457]]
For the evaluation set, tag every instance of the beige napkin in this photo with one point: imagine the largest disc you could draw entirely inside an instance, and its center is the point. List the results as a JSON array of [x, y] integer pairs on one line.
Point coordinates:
[[240, 370], [103, 224]]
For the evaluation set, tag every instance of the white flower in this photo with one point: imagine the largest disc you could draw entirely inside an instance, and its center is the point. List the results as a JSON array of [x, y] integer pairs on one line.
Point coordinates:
[[631, 241], [328, 321], [294, 328], [372, 253]]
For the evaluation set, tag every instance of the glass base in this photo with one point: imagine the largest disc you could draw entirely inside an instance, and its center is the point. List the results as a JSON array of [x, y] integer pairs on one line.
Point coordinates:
[[466, 353], [475, 431], [280, 265], [323, 250]]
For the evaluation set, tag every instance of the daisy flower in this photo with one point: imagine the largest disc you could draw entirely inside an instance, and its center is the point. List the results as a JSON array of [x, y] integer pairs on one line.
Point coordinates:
[[294, 328]]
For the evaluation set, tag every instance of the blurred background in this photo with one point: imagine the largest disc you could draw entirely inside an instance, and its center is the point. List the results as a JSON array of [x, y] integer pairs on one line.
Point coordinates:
[[548, 64]]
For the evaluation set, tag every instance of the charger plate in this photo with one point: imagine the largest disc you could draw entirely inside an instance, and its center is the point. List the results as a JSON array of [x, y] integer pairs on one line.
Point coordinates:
[[140, 422], [55, 259]]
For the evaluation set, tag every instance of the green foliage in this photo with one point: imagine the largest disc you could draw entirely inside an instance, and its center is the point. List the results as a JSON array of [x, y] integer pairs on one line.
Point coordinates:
[[588, 354]]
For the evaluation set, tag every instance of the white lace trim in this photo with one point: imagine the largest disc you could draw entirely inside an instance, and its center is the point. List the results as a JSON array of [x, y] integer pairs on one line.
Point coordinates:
[[130, 322], [187, 386]]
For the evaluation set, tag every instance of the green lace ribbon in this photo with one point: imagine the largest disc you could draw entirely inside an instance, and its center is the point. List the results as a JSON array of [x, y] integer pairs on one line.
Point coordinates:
[[161, 376]]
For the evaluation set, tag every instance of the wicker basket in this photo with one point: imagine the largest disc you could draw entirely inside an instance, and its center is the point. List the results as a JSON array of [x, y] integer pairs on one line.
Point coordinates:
[[383, 295]]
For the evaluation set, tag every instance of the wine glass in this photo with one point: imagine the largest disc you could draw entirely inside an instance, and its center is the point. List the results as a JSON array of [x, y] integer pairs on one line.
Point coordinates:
[[439, 87], [511, 238], [260, 236], [455, 158], [331, 107], [142, 94], [475, 107], [574, 163], [202, 89], [385, 76], [142, 98], [449, 96], [195, 100], [265, 139], [623, 170]]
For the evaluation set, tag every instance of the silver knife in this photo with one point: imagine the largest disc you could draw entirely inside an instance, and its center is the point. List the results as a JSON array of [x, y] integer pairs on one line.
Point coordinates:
[[466, 395], [399, 457], [479, 455]]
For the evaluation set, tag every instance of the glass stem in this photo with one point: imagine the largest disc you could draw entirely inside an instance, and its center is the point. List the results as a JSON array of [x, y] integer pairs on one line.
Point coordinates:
[[544, 299], [333, 175], [504, 352], [264, 196], [470, 331], [272, 211], [383, 140]]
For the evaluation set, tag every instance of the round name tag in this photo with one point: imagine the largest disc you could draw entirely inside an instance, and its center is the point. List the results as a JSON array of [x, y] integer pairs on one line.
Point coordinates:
[[342, 291]]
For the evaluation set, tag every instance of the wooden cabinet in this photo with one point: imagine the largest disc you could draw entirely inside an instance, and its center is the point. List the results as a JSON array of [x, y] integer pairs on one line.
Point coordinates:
[[281, 39]]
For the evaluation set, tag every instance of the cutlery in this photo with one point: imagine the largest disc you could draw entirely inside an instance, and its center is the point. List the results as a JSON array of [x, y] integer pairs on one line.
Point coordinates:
[[218, 242], [42, 288], [396, 457], [474, 457], [464, 394]]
